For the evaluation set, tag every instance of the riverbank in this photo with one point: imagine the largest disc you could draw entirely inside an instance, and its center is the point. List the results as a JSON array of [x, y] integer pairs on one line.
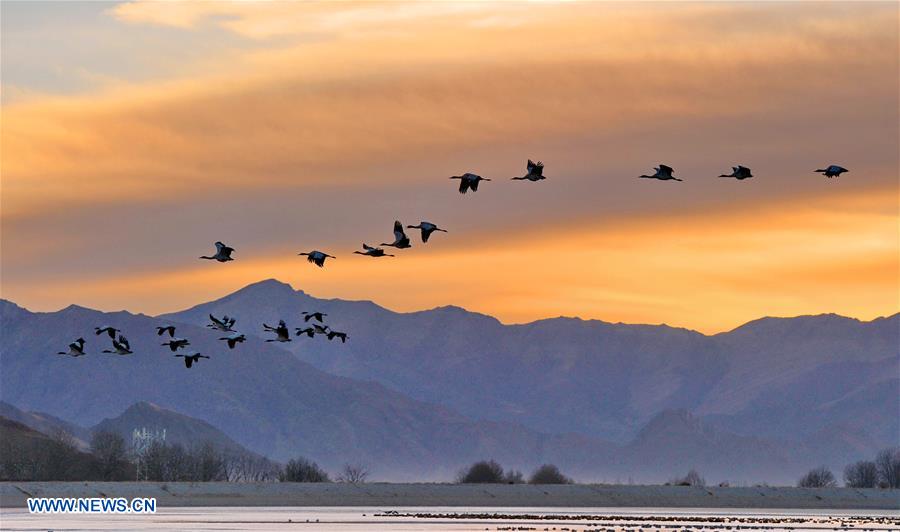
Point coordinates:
[[186, 494]]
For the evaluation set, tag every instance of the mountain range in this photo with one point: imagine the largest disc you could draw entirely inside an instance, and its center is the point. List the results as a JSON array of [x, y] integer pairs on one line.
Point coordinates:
[[417, 395]]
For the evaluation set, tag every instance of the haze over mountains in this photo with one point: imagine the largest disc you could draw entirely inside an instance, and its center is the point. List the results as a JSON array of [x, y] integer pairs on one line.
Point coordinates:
[[417, 395]]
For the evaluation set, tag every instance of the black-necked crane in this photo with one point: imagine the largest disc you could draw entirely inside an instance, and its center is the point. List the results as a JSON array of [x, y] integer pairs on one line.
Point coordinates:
[[401, 241], [317, 257], [739, 172], [335, 334], [120, 347], [177, 343], [108, 329], [426, 228], [663, 173], [372, 251], [282, 334], [233, 340], [309, 331], [313, 315], [223, 253], [832, 171], [469, 181], [320, 329], [223, 324], [189, 360], [76, 349], [535, 172], [167, 329]]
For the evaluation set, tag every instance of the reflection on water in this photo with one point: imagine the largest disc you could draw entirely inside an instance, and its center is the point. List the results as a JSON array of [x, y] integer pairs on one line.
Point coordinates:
[[456, 518]]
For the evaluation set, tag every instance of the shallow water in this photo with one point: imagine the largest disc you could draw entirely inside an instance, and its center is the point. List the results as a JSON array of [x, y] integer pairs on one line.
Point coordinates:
[[456, 518]]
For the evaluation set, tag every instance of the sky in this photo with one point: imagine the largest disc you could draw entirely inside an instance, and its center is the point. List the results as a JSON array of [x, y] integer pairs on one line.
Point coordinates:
[[136, 134]]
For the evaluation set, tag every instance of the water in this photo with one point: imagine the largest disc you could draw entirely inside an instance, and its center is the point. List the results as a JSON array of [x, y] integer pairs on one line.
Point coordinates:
[[457, 518]]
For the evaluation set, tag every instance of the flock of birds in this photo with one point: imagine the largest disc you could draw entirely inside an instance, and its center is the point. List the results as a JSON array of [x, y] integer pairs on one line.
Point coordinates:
[[467, 181]]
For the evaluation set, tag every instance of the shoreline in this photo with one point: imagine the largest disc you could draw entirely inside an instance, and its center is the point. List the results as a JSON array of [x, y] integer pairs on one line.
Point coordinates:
[[391, 495]]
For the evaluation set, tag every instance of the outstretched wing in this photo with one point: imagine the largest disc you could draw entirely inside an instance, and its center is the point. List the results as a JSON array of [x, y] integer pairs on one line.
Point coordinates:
[[398, 230], [474, 185], [464, 186], [535, 168], [663, 169], [368, 247]]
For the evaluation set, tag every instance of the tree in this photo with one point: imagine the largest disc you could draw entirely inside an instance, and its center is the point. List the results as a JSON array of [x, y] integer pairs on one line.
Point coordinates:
[[692, 478], [303, 470], [888, 463], [353, 474], [548, 474], [819, 477], [484, 472], [862, 474], [111, 454]]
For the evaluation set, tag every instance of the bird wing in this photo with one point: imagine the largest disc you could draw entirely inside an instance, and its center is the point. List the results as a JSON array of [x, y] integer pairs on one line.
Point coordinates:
[[398, 231], [474, 186], [367, 247], [464, 186], [536, 168], [220, 246], [666, 169], [124, 341]]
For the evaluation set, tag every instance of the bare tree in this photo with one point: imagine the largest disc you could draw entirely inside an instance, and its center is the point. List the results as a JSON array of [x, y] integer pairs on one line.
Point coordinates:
[[111, 454], [303, 470], [353, 474], [692, 478], [819, 477], [888, 463], [862, 474]]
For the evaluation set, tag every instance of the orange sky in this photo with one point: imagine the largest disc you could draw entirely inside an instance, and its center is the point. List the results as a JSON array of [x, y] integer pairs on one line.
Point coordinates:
[[281, 127]]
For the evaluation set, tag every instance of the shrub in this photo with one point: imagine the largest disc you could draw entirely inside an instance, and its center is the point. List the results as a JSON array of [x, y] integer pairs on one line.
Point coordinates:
[[548, 474], [353, 474], [862, 474], [819, 477], [303, 470], [484, 472]]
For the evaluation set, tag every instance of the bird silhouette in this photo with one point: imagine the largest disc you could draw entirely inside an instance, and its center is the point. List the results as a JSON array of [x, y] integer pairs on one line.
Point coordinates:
[[535, 172], [111, 331], [469, 181], [663, 173], [223, 324], [426, 228], [282, 334], [314, 315], [401, 241], [177, 343], [223, 253], [120, 347], [317, 257], [76, 349], [190, 359], [167, 329], [308, 331], [233, 340], [372, 251], [335, 334], [832, 171], [739, 172]]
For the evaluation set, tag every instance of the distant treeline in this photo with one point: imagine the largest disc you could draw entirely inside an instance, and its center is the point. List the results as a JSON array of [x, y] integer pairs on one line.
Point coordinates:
[[29, 455]]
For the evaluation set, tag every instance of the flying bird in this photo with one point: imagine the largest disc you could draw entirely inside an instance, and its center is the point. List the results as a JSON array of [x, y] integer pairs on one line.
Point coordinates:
[[401, 241], [190, 359], [319, 329], [372, 252], [223, 324], [335, 334], [233, 340], [309, 331], [739, 172], [427, 228], [177, 343], [167, 329], [469, 181], [314, 315], [832, 171], [223, 253], [120, 347], [111, 331], [663, 173], [282, 334], [76, 349], [317, 257], [535, 172]]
